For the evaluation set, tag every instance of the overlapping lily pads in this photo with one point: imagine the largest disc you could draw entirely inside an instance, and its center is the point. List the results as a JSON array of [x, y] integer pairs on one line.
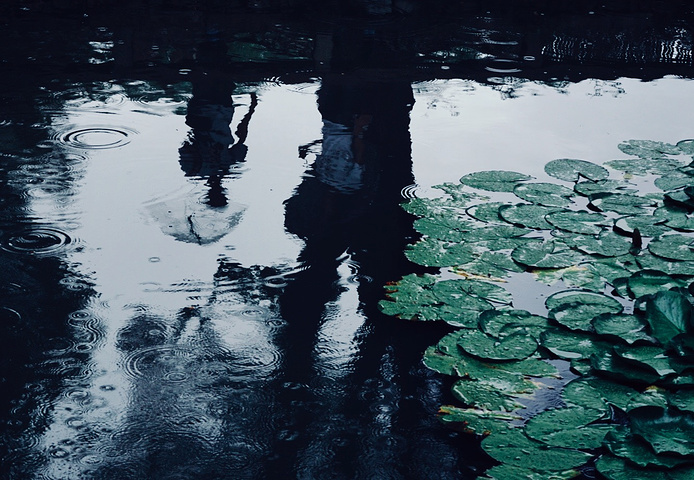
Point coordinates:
[[622, 317]]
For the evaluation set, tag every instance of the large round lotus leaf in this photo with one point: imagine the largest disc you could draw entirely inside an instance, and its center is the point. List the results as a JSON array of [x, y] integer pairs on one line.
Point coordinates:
[[489, 264], [494, 180], [512, 347], [648, 148], [484, 396], [511, 472], [578, 222], [647, 225], [500, 375], [683, 399], [686, 146], [454, 291], [475, 421], [501, 323], [548, 254], [569, 345], [673, 247], [576, 310], [431, 252], [606, 244], [649, 282], [624, 204], [646, 356], [457, 317], [667, 430], [617, 468], [593, 392], [621, 443], [512, 447], [485, 212], [572, 170], [674, 181], [628, 328], [669, 314], [568, 427], [643, 166], [440, 362], [527, 215], [542, 193], [616, 368], [671, 267], [588, 188], [444, 227]]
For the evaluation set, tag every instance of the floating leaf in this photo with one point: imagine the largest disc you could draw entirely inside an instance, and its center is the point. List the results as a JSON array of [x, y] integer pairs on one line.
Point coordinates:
[[649, 282], [606, 244], [516, 346], [572, 345], [646, 356], [648, 148], [667, 430], [455, 291], [568, 427], [674, 180], [549, 254], [511, 472], [489, 264], [668, 314], [546, 194], [588, 187], [614, 367], [683, 399], [676, 218], [501, 323], [494, 180], [440, 362], [475, 421], [486, 212], [628, 328], [670, 267], [593, 392], [673, 247], [458, 193], [624, 204], [686, 146], [581, 276], [647, 225], [572, 170], [616, 468], [513, 448], [424, 207], [431, 252], [444, 227], [577, 222], [575, 309], [636, 450], [527, 215], [643, 166], [481, 395]]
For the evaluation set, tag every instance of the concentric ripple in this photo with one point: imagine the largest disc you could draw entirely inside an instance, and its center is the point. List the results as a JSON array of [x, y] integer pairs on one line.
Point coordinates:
[[96, 137], [37, 241]]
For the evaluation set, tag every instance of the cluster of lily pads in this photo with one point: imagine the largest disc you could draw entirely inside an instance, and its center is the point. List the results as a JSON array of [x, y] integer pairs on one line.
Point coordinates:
[[619, 256]]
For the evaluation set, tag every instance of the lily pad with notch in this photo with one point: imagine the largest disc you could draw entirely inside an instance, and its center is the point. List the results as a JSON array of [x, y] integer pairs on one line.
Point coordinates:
[[568, 427], [666, 430], [501, 323], [515, 346], [550, 254], [582, 222], [588, 187], [621, 327], [648, 148], [570, 345], [646, 356], [622, 443], [474, 420], [673, 247], [482, 395], [546, 194], [576, 309], [494, 180], [605, 244], [645, 166], [572, 170], [527, 215], [621, 203]]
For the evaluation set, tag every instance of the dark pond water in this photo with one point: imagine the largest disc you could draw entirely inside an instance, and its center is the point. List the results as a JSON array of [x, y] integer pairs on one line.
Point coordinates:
[[200, 207]]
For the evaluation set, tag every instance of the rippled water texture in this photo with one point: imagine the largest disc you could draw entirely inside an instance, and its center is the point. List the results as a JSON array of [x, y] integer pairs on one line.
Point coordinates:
[[197, 217]]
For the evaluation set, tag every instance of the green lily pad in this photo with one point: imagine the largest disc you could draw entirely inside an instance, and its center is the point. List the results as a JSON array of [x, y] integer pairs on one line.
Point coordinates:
[[588, 188], [486, 212], [572, 170], [494, 180], [577, 221], [686, 146], [668, 314], [441, 362], [648, 148], [606, 244], [673, 247], [572, 345], [512, 447], [628, 328], [674, 181], [646, 356], [452, 292], [650, 397], [568, 427], [666, 430], [644, 166], [481, 395], [516, 346], [616, 368], [550, 254], [596, 393], [511, 472], [458, 193], [576, 276], [647, 225], [475, 421], [621, 443], [624, 204], [681, 199], [576, 309], [670, 267], [431, 252], [501, 323], [546, 194], [527, 215], [424, 207], [649, 282], [617, 468], [683, 400], [444, 227]]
